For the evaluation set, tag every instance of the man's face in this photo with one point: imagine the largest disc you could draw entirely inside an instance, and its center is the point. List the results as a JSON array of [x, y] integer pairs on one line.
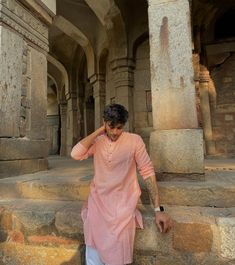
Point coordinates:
[[113, 132]]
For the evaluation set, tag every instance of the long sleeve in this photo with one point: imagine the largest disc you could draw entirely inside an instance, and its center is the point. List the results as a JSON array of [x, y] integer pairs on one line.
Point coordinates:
[[79, 152], [144, 164]]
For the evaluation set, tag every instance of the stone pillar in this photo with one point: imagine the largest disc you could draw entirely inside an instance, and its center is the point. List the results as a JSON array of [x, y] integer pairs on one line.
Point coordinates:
[[123, 73], [204, 79], [176, 144], [98, 83], [23, 88], [71, 123], [63, 131]]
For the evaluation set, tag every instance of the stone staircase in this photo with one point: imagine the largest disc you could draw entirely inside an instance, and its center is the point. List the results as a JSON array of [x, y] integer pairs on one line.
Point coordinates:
[[40, 220]]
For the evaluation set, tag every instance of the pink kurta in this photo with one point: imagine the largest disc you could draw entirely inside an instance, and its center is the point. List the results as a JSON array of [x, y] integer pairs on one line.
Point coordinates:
[[110, 217]]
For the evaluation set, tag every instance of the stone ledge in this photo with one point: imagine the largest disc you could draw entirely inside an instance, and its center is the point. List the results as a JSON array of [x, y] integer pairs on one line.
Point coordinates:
[[21, 148], [19, 167], [198, 230], [75, 186]]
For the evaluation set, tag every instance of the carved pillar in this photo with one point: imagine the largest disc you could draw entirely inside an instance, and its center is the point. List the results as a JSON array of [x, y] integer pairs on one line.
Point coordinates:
[[23, 88], [123, 73], [206, 113], [176, 144], [98, 83], [63, 131]]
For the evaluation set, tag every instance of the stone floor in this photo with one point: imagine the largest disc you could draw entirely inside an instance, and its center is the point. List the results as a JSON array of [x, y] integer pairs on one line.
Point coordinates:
[[40, 214]]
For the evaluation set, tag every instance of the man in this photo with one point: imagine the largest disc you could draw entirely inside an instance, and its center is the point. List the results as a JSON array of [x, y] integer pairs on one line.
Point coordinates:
[[111, 217]]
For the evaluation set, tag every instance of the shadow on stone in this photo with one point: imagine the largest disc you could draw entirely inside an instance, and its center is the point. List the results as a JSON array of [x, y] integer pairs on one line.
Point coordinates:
[[78, 258]]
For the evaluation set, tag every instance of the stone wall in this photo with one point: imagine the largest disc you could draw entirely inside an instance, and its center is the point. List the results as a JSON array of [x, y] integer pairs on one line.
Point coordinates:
[[223, 113], [23, 88]]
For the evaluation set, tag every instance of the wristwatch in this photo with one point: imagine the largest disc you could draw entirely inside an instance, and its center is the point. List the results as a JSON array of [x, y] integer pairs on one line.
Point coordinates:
[[159, 209]]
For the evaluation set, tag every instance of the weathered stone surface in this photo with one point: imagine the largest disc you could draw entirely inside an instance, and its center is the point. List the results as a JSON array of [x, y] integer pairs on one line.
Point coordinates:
[[19, 167], [173, 91], [144, 260], [34, 221], [38, 95], [11, 52], [38, 217], [6, 220], [200, 194], [19, 254], [3, 236], [193, 237], [69, 222], [16, 236], [227, 234], [40, 190], [169, 260], [175, 151], [72, 183], [150, 238], [53, 241], [22, 148]]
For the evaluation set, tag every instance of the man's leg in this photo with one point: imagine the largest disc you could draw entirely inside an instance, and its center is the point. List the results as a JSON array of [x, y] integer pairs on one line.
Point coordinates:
[[92, 257]]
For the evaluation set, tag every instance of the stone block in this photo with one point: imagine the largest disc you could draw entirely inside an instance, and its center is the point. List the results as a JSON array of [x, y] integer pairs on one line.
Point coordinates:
[[200, 194], [22, 148], [177, 151], [33, 165], [192, 237], [43, 164], [69, 223], [150, 239], [9, 168], [20, 254], [34, 221], [19, 167], [227, 235]]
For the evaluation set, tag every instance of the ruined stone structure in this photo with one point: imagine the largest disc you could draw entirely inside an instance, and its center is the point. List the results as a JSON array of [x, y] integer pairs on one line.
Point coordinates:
[[171, 63]]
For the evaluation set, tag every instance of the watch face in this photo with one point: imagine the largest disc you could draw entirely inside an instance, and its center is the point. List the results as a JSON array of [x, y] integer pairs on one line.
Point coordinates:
[[161, 208]]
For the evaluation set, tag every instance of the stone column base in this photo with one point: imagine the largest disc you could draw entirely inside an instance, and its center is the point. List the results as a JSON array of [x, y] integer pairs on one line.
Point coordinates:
[[22, 156], [177, 151]]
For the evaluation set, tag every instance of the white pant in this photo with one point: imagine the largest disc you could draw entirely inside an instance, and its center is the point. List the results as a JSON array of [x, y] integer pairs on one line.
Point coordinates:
[[92, 257]]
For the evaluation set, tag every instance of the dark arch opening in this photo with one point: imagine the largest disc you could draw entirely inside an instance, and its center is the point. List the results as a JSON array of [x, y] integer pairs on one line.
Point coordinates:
[[224, 26]]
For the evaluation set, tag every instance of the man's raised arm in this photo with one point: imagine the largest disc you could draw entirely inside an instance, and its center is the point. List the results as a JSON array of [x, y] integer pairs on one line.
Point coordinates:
[[80, 150]]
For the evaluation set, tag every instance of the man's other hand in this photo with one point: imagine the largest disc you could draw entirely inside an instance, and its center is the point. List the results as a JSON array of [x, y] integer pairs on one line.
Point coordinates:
[[163, 222]]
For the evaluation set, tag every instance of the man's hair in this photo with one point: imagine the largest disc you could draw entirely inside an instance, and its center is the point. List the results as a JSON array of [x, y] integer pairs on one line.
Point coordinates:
[[115, 114]]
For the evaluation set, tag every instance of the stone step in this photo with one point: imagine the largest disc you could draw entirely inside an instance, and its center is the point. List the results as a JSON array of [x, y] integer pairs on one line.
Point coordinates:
[[217, 190], [202, 235]]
